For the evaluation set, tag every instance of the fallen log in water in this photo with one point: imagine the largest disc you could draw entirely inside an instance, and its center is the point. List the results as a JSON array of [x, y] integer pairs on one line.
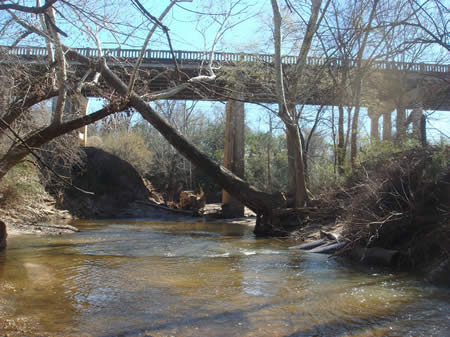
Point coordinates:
[[328, 248], [323, 212], [322, 246], [173, 210], [375, 255], [310, 245]]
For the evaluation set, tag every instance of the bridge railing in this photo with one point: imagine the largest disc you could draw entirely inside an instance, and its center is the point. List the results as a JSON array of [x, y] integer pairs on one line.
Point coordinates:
[[198, 56]]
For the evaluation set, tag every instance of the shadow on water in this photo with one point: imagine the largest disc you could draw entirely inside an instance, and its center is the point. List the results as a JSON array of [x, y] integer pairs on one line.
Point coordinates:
[[375, 325], [189, 322], [359, 324]]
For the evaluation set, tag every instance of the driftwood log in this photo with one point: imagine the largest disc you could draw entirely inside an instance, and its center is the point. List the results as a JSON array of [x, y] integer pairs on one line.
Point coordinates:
[[310, 245], [375, 256], [189, 200], [322, 246], [328, 248], [281, 221]]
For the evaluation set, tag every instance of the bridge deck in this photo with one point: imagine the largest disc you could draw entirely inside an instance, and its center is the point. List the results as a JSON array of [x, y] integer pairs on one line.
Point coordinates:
[[200, 56]]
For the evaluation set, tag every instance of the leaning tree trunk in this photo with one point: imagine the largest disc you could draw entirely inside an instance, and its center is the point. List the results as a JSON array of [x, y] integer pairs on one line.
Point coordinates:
[[258, 201], [253, 198]]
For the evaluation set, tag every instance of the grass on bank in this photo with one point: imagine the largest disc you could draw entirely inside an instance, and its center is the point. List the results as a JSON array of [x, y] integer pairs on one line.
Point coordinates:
[[21, 185]]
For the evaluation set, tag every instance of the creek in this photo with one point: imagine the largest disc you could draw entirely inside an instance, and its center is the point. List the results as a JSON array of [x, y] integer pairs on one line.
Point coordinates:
[[143, 278]]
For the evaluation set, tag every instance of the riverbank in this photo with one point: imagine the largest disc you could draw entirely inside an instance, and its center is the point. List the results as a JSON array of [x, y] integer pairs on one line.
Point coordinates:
[[36, 217], [399, 203]]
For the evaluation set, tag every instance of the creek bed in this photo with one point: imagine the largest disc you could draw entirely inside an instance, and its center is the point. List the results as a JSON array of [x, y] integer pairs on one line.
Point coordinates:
[[143, 278]]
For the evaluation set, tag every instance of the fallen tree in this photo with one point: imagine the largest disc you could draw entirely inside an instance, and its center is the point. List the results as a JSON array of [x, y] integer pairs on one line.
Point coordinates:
[[260, 202]]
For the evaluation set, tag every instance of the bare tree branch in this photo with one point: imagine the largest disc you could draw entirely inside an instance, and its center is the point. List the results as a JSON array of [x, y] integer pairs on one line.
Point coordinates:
[[25, 9]]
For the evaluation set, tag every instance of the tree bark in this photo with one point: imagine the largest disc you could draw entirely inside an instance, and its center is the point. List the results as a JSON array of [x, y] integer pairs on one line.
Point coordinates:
[[301, 195], [16, 109], [354, 134], [341, 141], [291, 188], [358, 85], [287, 109]]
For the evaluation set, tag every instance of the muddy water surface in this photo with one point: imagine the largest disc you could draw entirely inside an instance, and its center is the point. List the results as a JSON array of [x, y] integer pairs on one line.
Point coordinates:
[[138, 278]]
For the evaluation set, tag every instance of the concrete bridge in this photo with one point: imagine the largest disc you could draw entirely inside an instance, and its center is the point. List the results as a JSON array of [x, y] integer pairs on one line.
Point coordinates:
[[432, 80]]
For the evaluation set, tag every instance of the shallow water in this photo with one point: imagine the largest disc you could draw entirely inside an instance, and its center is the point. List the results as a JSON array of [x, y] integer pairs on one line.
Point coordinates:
[[138, 278]]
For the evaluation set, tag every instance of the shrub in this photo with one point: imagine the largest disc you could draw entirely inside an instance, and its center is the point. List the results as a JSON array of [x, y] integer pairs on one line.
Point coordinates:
[[21, 183], [398, 201], [131, 147]]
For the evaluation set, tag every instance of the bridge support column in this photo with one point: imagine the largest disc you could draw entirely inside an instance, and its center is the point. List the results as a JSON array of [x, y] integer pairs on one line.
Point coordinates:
[[387, 126], [400, 122], [76, 105], [234, 154], [374, 118], [419, 125]]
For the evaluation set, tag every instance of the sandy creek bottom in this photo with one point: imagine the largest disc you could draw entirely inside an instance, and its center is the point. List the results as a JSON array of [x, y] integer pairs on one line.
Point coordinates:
[[142, 278]]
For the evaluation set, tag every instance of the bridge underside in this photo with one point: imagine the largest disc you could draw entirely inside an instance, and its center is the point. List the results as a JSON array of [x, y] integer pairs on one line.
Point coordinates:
[[429, 91]]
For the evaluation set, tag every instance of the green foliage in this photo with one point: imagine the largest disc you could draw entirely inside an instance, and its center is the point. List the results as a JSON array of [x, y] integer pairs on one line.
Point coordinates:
[[22, 182], [266, 161], [439, 163], [376, 152], [212, 140], [131, 147], [322, 177]]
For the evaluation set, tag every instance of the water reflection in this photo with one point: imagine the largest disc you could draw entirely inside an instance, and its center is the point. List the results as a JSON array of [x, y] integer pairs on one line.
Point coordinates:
[[137, 279]]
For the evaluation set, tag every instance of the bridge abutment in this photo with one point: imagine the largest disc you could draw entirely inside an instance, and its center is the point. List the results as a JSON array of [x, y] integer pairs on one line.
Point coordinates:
[[234, 154]]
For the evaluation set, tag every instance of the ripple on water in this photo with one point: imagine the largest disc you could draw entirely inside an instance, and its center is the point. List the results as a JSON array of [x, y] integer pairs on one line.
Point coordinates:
[[137, 279]]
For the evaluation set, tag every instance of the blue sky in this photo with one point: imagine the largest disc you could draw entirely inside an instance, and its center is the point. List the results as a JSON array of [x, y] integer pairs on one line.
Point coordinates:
[[190, 30]]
